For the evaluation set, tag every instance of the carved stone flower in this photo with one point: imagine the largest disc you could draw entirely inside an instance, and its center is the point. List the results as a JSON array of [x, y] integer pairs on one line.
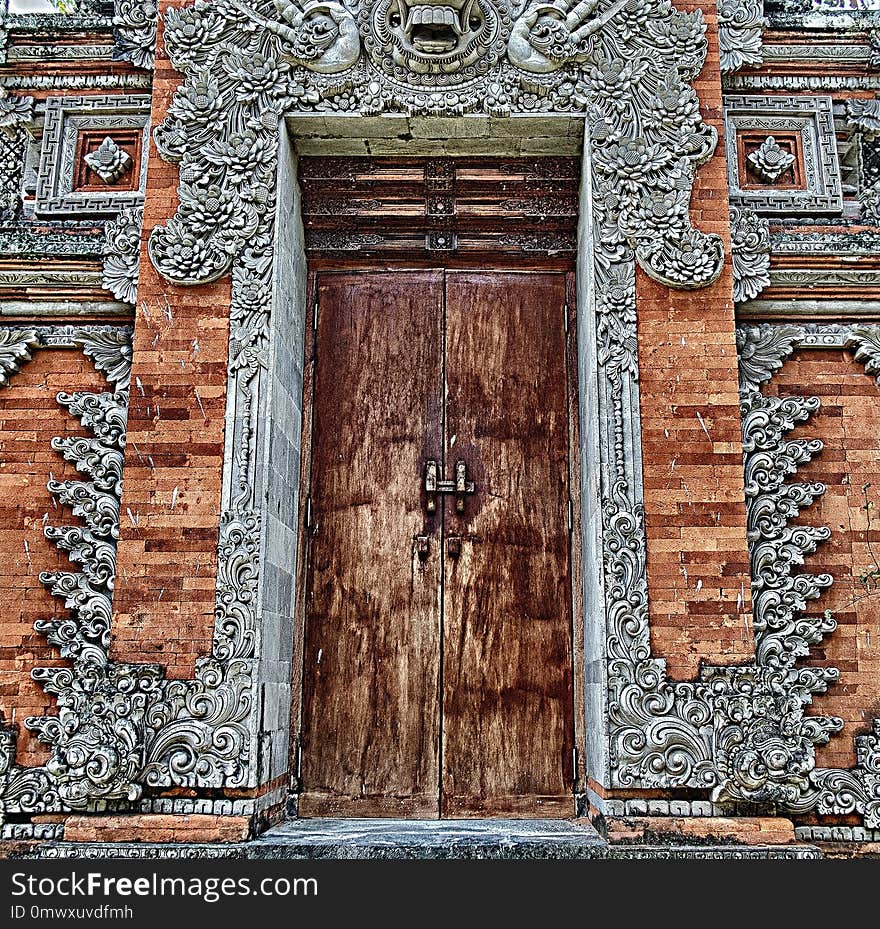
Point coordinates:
[[675, 107], [122, 255], [190, 32], [612, 81], [631, 160], [662, 210], [686, 261], [252, 297], [199, 103], [770, 161], [14, 112], [108, 161], [682, 38], [750, 253], [256, 75], [242, 155], [208, 207], [186, 254]]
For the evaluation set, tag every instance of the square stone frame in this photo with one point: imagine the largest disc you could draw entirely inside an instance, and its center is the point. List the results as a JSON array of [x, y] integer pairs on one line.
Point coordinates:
[[810, 117], [65, 117]]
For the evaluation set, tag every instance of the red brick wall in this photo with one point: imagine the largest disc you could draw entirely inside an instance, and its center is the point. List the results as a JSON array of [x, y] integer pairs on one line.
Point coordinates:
[[29, 420], [848, 422], [698, 573], [164, 602]]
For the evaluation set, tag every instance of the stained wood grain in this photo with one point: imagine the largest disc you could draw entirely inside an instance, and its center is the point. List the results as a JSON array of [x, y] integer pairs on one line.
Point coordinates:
[[507, 731], [372, 654]]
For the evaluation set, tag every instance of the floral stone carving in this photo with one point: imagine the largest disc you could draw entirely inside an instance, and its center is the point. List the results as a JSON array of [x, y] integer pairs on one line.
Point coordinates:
[[122, 254], [740, 33], [624, 65], [770, 161], [750, 253], [108, 161]]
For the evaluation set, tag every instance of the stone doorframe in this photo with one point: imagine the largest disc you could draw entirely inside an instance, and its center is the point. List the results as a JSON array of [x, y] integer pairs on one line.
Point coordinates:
[[612, 82]]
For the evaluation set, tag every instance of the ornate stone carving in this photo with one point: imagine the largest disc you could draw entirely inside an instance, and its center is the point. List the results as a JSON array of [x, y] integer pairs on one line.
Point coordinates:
[[134, 28], [16, 115], [238, 572], [66, 119], [750, 253], [864, 115], [740, 31], [122, 254], [811, 118], [827, 791], [782, 633], [108, 161], [762, 350], [740, 731], [770, 161], [16, 346], [220, 130]]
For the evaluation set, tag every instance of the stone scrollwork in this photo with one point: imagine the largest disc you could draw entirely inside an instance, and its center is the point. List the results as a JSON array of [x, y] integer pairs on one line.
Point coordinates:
[[134, 28], [762, 351], [625, 65], [740, 33], [777, 548], [118, 726], [122, 254], [750, 253], [16, 346]]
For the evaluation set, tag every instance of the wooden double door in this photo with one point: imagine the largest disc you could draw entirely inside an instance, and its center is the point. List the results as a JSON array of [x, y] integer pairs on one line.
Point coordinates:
[[437, 662]]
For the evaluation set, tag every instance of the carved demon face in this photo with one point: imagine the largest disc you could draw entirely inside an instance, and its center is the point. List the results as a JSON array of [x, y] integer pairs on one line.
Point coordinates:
[[435, 37]]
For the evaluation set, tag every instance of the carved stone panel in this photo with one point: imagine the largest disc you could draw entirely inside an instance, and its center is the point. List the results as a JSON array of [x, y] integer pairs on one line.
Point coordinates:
[[75, 146], [792, 165]]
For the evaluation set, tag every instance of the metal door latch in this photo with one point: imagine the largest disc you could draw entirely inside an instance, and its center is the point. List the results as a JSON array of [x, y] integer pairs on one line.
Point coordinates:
[[460, 486]]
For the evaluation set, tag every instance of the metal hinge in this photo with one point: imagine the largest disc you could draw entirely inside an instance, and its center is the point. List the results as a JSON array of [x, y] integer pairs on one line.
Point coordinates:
[[574, 761], [308, 512], [570, 516], [315, 314], [565, 318]]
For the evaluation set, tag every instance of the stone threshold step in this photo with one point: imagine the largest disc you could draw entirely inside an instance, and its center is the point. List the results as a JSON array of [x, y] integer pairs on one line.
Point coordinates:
[[394, 839]]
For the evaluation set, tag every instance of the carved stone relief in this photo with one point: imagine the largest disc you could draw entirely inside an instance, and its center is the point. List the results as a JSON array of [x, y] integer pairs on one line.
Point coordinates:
[[122, 254], [811, 119], [750, 253], [740, 732], [108, 161], [863, 116], [134, 28], [245, 67], [741, 26], [119, 726], [16, 115], [769, 160], [66, 118]]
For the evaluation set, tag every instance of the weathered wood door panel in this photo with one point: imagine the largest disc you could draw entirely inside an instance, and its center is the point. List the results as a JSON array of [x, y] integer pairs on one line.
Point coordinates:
[[507, 697], [439, 682], [372, 655]]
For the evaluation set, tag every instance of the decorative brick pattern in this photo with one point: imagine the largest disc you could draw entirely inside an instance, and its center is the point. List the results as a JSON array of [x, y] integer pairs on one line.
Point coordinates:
[[164, 602], [698, 571], [29, 420], [848, 423]]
